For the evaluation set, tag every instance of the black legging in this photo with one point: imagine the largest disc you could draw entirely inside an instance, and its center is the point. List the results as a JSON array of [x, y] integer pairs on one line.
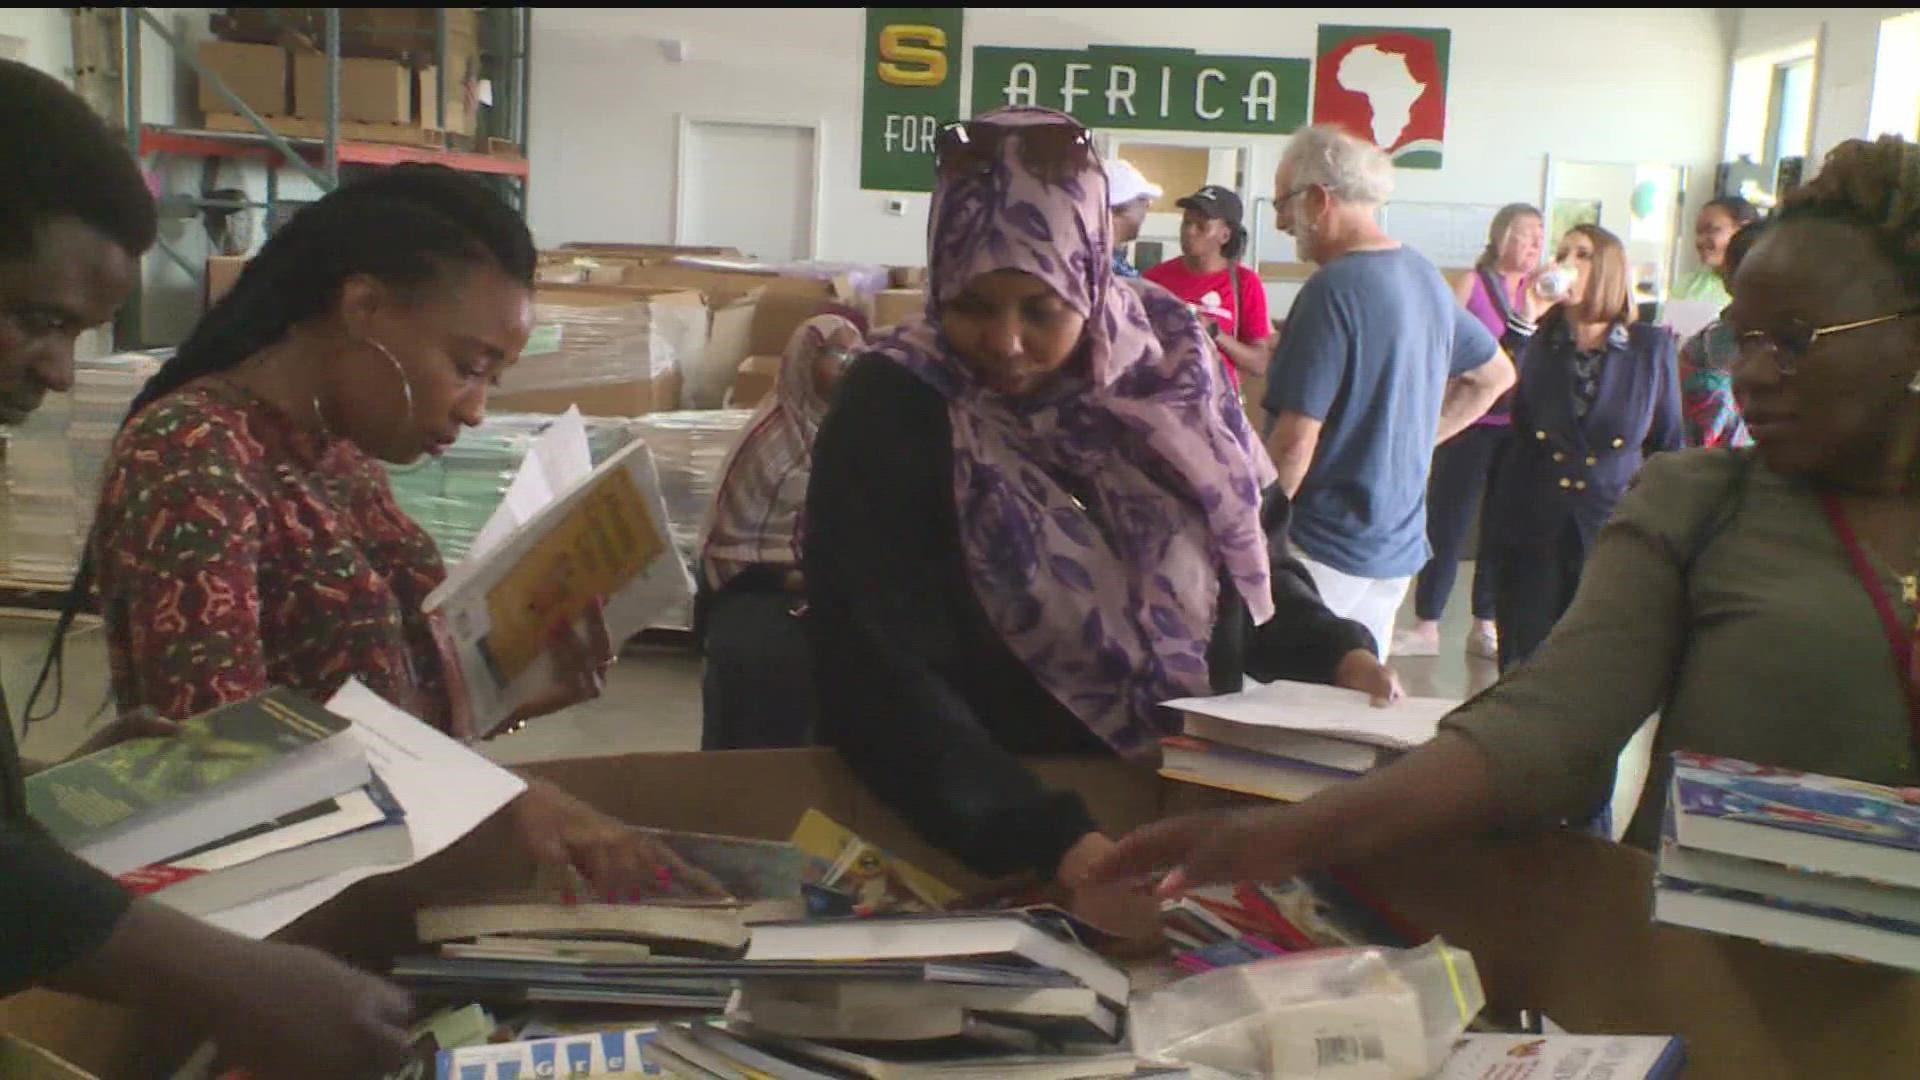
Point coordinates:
[[1462, 474], [1535, 586]]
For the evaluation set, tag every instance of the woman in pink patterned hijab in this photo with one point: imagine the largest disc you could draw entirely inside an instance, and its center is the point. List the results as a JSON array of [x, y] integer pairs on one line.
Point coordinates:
[[1036, 514]]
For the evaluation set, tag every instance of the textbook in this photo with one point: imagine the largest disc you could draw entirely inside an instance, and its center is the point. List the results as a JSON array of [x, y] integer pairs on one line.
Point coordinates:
[[1328, 712], [1565, 1057], [1793, 859], [603, 540], [605, 1053], [146, 800], [1820, 824], [360, 828]]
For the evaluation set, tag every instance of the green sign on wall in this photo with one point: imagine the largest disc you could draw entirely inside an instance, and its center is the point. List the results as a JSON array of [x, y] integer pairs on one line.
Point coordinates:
[[912, 90], [1109, 86]]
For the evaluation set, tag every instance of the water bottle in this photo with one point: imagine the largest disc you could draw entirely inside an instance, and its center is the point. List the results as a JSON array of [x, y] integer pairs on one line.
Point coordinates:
[[1554, 282]]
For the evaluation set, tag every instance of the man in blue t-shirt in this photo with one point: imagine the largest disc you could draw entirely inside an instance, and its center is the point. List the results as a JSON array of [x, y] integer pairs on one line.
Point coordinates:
[[1377, 366]]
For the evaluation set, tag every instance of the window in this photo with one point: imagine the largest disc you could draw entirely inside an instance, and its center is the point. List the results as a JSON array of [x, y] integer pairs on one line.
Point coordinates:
[[1789, 112], [1895, 107]]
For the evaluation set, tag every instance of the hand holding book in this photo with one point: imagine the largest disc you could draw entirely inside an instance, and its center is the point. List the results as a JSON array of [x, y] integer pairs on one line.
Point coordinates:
[[581, 658]]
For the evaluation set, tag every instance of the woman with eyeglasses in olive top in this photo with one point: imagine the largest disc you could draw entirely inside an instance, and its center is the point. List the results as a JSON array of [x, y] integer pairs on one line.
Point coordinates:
[[1762, 602]]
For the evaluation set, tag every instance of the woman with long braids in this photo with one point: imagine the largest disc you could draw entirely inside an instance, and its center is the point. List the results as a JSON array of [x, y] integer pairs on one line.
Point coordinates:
[[1763, 603], [247, 535]]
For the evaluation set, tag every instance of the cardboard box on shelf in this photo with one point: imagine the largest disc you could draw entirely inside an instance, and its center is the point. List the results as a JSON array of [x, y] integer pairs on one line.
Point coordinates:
[[222, 272], [1557, 923], [894, 306], [754, 381], [463, 113], [372, 90], [257, 75]]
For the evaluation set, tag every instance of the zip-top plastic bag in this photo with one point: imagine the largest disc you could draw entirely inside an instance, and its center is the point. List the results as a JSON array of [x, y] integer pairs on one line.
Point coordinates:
[[1333, 1014]]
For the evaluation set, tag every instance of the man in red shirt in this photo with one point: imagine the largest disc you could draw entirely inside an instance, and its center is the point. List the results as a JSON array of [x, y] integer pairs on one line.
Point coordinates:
[[1208, 275]]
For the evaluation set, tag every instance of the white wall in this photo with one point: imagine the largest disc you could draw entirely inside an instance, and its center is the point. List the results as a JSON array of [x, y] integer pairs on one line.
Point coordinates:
[[1849, 41], [1646, 85], [45, 32]]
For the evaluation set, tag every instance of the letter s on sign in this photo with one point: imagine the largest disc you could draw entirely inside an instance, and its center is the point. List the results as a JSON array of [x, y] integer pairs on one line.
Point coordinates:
[[913, 56]]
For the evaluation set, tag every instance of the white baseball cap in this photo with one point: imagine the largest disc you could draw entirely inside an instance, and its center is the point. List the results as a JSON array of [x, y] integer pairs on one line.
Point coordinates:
[[1125, 184]]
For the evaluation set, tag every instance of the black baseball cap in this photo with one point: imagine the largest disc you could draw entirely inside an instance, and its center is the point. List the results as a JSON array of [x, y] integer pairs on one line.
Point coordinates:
[[1215, 202]]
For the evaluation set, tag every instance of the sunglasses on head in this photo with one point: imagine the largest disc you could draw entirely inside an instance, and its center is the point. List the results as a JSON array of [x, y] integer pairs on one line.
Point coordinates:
[[1788, 343], [1053, 152]]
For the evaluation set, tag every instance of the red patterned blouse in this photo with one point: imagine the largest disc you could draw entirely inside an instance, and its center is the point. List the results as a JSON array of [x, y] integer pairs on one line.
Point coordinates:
[[235, 551]]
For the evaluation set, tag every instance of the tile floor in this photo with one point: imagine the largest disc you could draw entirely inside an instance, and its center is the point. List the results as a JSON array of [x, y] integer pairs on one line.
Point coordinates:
[[652, 701]]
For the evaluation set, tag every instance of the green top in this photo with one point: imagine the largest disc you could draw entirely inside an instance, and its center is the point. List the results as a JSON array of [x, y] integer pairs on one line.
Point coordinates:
[[1702, 284], [1769, 651]]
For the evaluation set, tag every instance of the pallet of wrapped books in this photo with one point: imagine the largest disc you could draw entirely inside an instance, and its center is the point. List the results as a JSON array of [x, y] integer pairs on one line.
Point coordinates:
[[1808, 862], [1289, 740]]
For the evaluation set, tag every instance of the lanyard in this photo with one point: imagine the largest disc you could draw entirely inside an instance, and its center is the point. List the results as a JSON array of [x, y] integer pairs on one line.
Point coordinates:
[[1900, 638]]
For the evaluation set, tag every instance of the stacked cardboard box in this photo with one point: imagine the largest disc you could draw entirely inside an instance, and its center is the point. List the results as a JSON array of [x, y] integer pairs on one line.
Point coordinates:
[[274, 60], [616, 350]]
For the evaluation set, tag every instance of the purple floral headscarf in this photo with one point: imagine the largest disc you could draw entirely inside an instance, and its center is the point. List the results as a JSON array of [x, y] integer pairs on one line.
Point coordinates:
[[1097, 519]]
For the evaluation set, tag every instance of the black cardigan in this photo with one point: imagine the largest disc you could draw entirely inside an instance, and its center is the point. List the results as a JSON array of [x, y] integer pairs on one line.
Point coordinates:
[[920, 695]]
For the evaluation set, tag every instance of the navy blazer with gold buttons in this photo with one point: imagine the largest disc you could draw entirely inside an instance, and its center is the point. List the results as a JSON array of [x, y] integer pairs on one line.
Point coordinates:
[[1564, 467]]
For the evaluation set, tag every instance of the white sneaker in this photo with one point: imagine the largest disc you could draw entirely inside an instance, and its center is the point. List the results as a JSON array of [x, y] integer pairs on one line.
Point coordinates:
[[1484, 643], [1409, 642]]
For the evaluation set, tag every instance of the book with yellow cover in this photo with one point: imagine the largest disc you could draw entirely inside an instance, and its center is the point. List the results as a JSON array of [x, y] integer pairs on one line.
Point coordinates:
[[602, 540]]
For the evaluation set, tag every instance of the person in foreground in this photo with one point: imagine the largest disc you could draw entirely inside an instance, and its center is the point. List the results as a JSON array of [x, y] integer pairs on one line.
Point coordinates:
[[1761, 602], [247, 535], [1379, 366], [74, 220], [1598, 393], [1036, 514], [757, 689]]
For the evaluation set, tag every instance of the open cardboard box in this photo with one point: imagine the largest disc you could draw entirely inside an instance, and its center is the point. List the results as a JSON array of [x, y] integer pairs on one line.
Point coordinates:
[[1558, 924]]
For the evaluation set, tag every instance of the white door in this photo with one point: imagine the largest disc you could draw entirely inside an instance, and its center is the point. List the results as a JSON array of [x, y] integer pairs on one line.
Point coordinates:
[[748, 186]]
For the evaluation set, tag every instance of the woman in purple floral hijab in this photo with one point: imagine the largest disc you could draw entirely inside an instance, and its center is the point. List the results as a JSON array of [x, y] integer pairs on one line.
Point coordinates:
[[1036, 514]]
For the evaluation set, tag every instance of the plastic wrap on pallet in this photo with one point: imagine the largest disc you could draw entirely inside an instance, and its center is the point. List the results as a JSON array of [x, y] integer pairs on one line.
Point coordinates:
[[56, 462], [453, 495], [689, 449], [594, 339]]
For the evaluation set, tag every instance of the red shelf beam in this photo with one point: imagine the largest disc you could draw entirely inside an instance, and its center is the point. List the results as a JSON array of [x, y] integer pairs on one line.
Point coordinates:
[[160, 141]]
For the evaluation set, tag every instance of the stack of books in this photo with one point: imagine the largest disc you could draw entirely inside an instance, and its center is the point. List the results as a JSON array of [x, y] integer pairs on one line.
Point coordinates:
[[539, 946], [454, 495], [160, 813], [1010, 994], [1289, 741], [1809, 862], [55, 463]]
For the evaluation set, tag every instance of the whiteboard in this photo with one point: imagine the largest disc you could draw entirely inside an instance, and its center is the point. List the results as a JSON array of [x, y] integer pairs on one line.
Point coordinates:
[[1451, 235]]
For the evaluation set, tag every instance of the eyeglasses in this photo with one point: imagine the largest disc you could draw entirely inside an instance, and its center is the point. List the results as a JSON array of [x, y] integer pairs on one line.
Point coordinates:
[[1788, 343], [1053, 152]]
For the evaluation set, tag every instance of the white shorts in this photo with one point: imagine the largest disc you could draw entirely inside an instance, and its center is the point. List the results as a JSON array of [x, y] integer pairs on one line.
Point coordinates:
[[1372, 602]]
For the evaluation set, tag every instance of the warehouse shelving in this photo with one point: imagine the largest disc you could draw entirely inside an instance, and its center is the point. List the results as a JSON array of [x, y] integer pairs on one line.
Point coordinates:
[[506, 39]]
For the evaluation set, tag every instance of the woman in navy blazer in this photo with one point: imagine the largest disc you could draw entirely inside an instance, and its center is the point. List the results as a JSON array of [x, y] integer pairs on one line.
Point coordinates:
[[1598, 392]]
